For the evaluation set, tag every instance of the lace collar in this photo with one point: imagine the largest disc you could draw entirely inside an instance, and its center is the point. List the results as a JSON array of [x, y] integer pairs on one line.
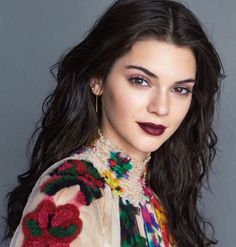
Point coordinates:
[[123, 174]]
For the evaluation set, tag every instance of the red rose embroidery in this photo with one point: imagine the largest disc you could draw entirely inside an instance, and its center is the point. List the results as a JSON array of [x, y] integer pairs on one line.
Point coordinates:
[[51, 226]]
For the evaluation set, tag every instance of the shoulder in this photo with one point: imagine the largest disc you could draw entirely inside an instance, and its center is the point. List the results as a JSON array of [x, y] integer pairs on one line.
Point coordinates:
[[53, 212], [73, 172]]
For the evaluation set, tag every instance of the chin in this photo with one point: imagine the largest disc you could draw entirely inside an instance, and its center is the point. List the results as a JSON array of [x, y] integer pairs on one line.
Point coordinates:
[[149, 149], [147, 145]]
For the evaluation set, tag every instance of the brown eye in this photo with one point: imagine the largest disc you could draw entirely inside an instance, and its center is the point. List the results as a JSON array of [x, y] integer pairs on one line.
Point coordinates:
[[182, 90], [139, 81]]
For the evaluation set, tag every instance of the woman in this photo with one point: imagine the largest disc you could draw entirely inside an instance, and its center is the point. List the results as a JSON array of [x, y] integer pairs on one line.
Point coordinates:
[[126, 138]]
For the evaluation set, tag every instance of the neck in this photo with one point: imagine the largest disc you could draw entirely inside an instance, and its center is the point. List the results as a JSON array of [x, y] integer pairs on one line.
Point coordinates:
[[104, 144]]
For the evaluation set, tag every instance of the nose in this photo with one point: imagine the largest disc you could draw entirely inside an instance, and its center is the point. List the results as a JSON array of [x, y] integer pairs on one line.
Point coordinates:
[[159, 103]]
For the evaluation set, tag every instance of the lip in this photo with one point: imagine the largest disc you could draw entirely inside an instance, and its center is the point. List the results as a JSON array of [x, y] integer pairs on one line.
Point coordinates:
[[152, 129]]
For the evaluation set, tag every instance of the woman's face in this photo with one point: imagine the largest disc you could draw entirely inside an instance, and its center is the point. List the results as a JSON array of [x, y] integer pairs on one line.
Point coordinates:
[[149, 86]]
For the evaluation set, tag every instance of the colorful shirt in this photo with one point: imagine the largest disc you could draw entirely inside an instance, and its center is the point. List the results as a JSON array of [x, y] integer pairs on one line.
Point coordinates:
[[77, 202]]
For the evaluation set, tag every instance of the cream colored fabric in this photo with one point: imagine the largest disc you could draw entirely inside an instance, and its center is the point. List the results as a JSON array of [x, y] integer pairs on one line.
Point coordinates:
[[100, 220]]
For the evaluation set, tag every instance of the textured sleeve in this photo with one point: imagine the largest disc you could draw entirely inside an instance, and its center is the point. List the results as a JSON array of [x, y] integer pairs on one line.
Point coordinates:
[[62, 209]]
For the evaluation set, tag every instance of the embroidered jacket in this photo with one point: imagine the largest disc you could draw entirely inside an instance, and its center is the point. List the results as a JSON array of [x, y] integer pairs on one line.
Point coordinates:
[[73, 205]]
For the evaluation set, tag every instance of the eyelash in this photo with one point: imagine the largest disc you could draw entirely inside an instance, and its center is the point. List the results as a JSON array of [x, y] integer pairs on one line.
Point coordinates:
[[136, 81], [187, 91]]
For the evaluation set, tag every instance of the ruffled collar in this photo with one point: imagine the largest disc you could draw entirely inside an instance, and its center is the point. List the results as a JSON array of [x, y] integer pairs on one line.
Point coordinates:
[[123, 174]]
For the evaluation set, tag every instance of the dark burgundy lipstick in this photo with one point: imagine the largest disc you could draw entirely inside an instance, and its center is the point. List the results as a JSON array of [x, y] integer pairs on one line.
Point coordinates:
[[152, 129]]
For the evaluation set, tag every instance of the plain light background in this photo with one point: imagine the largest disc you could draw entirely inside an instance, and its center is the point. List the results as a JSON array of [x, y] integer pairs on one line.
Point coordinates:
[[33, 34]]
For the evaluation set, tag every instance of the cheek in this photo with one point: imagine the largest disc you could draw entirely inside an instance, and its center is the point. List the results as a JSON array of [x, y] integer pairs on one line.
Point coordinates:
[[180, 110], [122, 101], [115, 105]]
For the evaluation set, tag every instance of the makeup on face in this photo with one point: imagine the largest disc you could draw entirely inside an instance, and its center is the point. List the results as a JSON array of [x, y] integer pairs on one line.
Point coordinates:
[[147, 95], [181, 87]]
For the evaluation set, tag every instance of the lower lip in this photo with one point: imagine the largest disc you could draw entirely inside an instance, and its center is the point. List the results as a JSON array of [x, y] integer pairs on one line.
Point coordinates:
[[152, 131]]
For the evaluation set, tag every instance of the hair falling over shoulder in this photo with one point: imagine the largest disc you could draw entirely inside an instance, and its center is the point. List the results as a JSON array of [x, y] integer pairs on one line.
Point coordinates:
[[180, 166]]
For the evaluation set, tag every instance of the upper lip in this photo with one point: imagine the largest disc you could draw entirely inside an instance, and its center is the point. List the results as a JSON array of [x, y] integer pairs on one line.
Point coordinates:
[[152, 125]]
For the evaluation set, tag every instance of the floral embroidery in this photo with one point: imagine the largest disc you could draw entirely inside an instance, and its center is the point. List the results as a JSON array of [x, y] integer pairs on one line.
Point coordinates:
[[41, 230], [113, 182], [130, 235], [51, 226], [118, 167], [119, 164], [75, 172]]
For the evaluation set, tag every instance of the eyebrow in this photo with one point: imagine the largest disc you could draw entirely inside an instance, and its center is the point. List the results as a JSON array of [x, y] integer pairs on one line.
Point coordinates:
[[146, 71], [149, 73]]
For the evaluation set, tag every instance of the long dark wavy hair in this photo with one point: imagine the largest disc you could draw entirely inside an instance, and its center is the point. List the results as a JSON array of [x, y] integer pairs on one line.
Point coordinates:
[[180, 166]]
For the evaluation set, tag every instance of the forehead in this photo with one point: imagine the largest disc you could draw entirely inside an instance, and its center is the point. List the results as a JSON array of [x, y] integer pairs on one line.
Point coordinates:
[[160, 57]]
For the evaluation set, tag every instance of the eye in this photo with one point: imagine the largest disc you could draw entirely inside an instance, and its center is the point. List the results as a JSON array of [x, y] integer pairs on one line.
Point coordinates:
[[181, 90], [139, 81]]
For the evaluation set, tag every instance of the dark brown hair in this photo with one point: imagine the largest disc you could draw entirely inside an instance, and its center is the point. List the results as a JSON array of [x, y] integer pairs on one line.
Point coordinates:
[[179, 166]]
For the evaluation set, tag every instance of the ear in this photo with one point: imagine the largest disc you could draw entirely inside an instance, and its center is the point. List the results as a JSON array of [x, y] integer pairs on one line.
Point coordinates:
[[96, 86]]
